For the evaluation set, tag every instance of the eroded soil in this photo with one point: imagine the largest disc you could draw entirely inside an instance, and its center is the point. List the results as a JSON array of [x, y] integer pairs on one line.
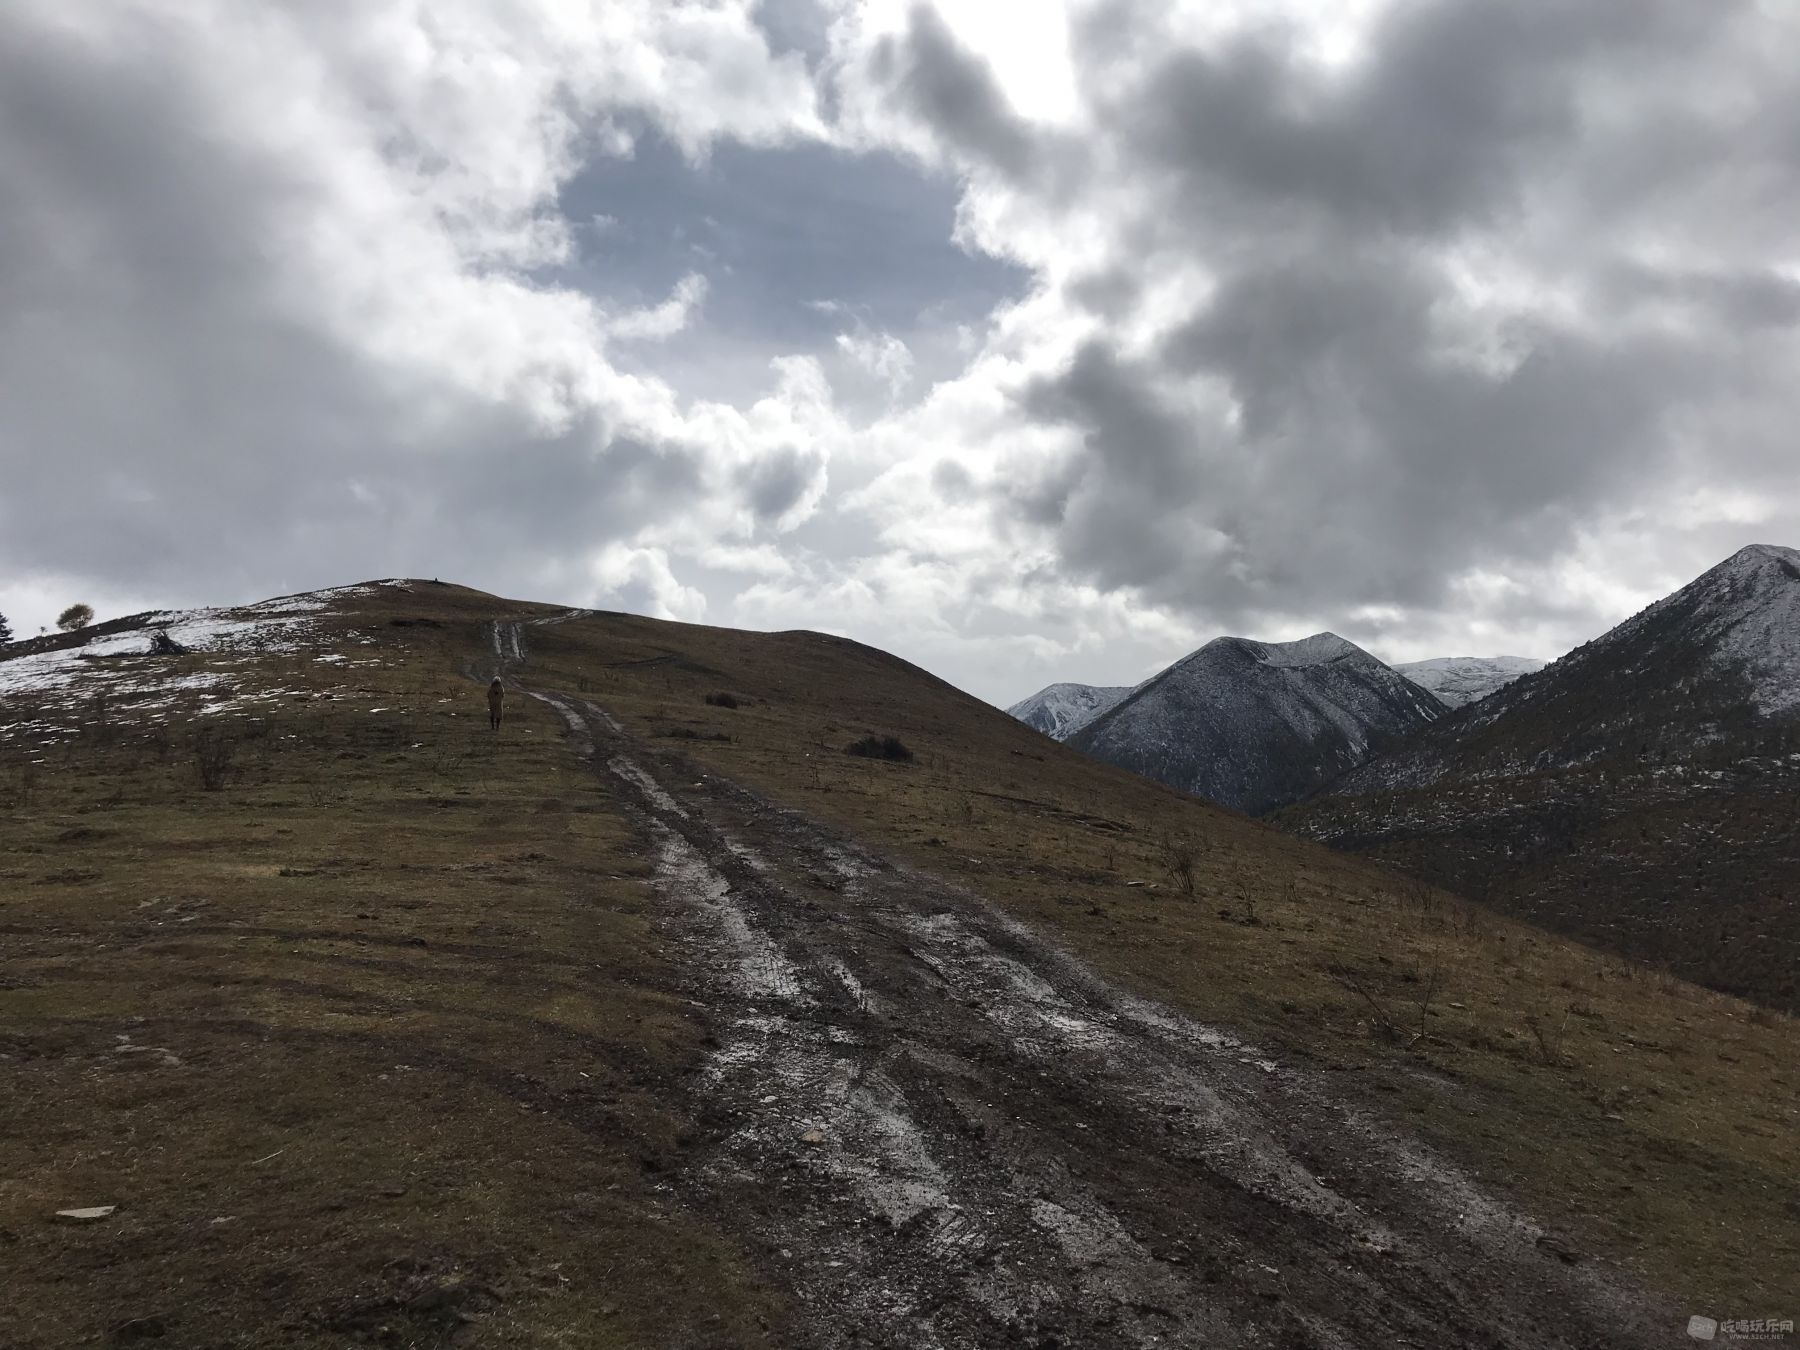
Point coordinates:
[[943, 1131]]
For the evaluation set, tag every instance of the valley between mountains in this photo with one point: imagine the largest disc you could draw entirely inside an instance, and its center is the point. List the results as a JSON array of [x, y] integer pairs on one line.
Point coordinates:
[[659, 1019]]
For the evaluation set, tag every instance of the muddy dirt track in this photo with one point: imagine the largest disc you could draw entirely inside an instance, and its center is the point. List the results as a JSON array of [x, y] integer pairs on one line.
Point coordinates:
[[944, 1132]]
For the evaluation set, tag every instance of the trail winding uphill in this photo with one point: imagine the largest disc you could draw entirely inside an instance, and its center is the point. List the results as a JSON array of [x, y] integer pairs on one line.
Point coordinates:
[[943, 1131]]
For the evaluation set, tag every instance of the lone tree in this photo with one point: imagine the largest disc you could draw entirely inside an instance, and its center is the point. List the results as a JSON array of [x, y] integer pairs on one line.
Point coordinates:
[[75, 616], [5, 629]]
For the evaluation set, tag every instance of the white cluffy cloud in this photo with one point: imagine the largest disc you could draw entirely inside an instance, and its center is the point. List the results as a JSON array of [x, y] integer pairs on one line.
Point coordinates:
[[1455, 327]]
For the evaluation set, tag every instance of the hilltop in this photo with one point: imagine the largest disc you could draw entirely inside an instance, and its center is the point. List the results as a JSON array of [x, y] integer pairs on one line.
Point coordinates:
[[660, 1018]]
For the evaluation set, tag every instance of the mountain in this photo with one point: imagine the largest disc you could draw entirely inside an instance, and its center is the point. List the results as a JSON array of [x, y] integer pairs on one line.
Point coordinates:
[[1060, 710], [1256, 725], [1457, 680], [1643, 792]]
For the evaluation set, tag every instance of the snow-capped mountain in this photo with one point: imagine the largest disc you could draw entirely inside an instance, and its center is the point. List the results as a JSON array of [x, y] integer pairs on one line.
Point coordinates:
[[1638, 792], [1685, 673], [1256, 725], [1060, 710], [1742, 618], [1457, 680]]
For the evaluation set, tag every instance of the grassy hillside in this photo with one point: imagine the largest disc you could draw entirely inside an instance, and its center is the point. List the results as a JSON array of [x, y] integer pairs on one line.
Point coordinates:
[[1630, 795], [1588, 1086], [370, 1042], [1693, 867], [380, 1032]]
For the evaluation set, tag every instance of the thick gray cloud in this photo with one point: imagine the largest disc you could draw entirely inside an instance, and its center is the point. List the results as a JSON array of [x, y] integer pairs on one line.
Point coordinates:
[[934, 78], [1342, 417], [1035, 342]]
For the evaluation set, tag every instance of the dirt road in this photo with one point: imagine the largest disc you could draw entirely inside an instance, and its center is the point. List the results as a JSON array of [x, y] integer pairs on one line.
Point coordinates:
[[943, 1131]]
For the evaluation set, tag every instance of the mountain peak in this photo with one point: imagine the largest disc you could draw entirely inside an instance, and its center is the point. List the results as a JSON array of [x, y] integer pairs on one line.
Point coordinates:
[[1781, 551], [1060, 710], [1255, 725], [1759, 560], [1316, 650]]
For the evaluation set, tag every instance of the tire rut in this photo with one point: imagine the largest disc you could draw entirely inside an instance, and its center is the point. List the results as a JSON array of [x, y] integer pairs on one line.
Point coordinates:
[[946, 1131]]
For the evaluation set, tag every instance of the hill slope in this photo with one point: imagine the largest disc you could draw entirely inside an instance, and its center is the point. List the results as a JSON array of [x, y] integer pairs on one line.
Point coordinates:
[[1060, 710], [1256, 725], [1457, 680], [1641, 791], [627, 1025]]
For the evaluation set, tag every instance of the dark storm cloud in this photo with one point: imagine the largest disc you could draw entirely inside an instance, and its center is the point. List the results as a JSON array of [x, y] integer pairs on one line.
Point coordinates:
[[163, 422], [775, 484], [794, 26], [183, 413], [1738, 298], [954, 90], [1368, 412], [1457, 103]]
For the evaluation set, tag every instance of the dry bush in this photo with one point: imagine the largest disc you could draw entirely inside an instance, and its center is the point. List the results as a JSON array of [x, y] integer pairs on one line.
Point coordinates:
[[100, 727], [879, 747], [1177, 857], [1549, 1042], [24, 785], [1381, 1023], [215, 752]]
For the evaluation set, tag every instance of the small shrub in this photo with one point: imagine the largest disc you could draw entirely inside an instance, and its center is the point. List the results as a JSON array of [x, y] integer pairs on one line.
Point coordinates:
[[879, 747], [1178, 857], [1549, 1043], [99, 726], [1382, 1025], [214, 752], [24, 784], [720, 699]]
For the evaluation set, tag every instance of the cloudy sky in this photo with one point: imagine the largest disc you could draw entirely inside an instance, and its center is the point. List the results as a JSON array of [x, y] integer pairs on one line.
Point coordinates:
[[1036, 340]]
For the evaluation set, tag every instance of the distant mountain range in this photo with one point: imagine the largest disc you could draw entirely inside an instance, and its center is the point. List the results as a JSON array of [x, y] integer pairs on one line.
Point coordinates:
[[1255, 725], [1643, 791], [1457, 680], [1060, 710]]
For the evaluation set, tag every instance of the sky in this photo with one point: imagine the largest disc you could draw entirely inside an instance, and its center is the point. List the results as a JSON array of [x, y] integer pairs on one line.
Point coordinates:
[[1032, 341]]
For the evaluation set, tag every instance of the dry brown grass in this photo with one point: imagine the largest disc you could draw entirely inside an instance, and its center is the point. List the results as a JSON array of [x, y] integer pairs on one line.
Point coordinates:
[[1651, 1120], [375, 890], [369, 1038]]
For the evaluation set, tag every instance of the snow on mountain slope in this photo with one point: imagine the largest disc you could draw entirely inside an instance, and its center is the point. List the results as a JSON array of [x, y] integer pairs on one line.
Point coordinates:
[[1256, 725], [1637, 793], [1457, 680], [59, 672], [1746, 612], [1060, 710], [1694, 671]]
